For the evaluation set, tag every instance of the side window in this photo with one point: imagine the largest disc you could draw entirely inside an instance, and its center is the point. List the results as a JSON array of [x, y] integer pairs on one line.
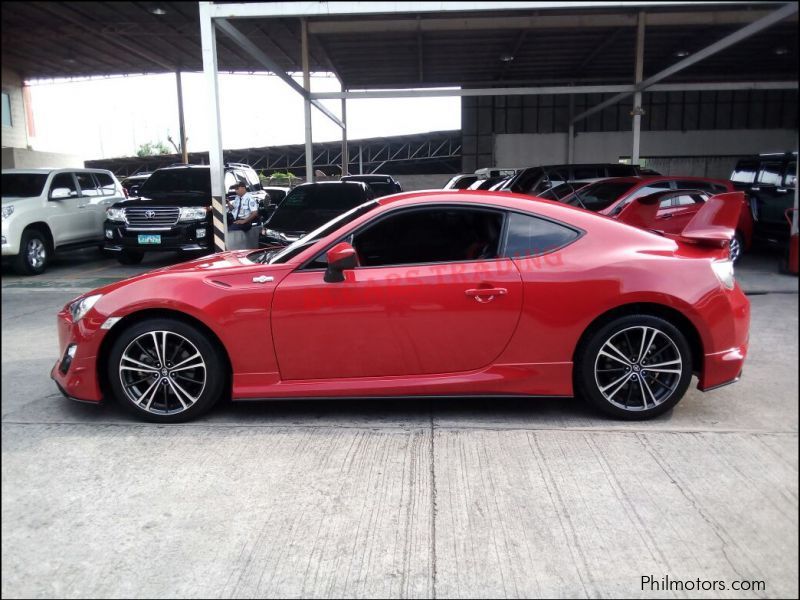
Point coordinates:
[[252, 179], [661, 185], [686, 200], [745, 172], [299, 197], [647, 190], [790, 179], [585, 172], [241, 177], [667, 203], [87, 184], [695, 185], [527, 181], [107, 186], [230, 180], [430, 236], [770, 173], [64, 180], [531, 236]]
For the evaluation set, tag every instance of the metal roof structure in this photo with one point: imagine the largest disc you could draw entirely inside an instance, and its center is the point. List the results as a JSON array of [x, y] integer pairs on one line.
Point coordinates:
[[553, 46]]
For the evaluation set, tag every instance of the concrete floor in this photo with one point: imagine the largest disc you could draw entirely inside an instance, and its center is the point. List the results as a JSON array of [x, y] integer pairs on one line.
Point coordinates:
[[478, 498]]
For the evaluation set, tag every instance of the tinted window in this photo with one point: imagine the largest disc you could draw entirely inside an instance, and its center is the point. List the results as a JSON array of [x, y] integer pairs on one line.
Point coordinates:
[[770, 173], [527, 180], [465, 182], [430, 236], [106, 182], [88, 184], [745, 171], [790, 180], [178, 180], [621, 170], [530, 236], [553, 178], [383, 189], [561, 191], [599, 195], [23, 185], [584, 172], [276, 196], [64, 180]]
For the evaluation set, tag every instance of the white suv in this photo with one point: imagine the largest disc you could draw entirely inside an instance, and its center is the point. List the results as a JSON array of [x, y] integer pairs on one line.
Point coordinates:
[[45, 210]]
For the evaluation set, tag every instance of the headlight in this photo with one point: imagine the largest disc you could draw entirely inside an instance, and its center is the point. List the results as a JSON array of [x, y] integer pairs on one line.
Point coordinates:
[[275, 234], [81, 306], [723, 269], [116, 214], [7, 211], [193, 213]]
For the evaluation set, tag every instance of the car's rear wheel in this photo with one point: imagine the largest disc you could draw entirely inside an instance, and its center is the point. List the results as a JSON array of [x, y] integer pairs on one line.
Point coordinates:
[[635, 367], [34, 253], [166, 371], [130, 257], [737, 246]]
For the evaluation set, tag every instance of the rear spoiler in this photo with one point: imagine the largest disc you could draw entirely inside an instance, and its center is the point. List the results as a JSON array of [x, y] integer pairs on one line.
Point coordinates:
[[713, 225]]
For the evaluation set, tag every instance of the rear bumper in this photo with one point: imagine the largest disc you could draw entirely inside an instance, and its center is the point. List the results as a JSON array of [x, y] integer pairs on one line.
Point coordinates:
[[723, 364]]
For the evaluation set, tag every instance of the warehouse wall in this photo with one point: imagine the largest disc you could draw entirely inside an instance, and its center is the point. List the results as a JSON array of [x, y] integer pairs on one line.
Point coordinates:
[[548, 116], [15, 136], [709, 153]]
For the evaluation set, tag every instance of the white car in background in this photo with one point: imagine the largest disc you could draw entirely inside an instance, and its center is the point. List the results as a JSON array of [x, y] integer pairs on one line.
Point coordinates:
[[45, 210]]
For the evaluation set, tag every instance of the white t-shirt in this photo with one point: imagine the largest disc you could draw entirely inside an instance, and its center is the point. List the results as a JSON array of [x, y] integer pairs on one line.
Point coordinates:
[[242, 206]]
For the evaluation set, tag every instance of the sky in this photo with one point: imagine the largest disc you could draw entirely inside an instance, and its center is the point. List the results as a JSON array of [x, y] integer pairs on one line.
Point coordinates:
[[111, 117]]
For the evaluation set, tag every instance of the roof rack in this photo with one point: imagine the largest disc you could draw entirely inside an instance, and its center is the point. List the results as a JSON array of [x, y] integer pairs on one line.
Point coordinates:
[[235, 164]]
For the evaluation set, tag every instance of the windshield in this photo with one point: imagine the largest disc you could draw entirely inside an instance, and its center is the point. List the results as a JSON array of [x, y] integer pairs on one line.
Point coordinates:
[[382, 189], [307, 207], [23, 185], [281, 256], [598, 196], [170, 181]]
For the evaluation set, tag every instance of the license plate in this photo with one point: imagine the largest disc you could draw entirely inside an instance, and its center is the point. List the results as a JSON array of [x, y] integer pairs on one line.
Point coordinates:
[[149, 239]]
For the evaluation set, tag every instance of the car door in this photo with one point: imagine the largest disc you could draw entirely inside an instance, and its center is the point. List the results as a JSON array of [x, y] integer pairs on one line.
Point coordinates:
[[65, 215], [107, 193], [431, 295], [89, 198]]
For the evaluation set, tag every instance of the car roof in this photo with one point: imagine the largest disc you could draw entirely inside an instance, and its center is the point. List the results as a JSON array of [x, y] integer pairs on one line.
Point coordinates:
[[370, 178], [652, 178], [46, 171]]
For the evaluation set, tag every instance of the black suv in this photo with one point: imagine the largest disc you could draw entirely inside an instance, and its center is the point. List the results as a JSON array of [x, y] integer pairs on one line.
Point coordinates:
[[770, 181], [382, 185], [173, 211], [310, 205], [535, 180]]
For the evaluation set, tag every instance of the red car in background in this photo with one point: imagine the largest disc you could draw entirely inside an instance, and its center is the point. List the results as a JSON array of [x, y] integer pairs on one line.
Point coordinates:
[[423, 294], [610, 196]]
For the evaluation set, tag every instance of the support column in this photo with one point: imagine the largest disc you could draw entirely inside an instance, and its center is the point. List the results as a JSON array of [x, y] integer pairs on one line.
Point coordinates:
[[637, 97], [345, 154], [307, 101], [215, 161], [181, 122], [360, 159], [571, 131]]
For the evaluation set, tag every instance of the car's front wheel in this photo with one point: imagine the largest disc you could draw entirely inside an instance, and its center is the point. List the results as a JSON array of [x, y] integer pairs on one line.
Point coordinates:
[[635, 367], [166, 371], [34, 253]]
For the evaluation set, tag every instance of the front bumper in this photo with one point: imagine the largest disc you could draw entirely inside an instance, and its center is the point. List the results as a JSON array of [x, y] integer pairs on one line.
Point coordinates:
[[80, 381], [182, 236]]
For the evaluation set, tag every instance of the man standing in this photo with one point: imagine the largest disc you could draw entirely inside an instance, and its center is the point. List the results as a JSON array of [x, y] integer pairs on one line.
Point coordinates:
[[242, 212]]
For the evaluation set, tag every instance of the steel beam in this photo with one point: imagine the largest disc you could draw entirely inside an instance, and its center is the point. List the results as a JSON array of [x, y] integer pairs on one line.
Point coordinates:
[[637, 96], [345, 154], [215, 160], [248, 46], [181, 120], [726, 42], [307, 101]]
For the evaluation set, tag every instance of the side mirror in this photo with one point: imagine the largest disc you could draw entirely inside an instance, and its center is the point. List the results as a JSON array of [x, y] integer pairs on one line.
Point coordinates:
[[340, 258], [60, 193]]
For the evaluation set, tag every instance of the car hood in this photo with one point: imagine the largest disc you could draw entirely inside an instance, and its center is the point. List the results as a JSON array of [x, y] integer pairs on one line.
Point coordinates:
[[176, 199]]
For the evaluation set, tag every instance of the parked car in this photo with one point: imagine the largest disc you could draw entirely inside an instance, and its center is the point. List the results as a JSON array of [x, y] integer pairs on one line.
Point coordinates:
[[461, 182], [132, 183], [49, 210], [172, 212], [310, 205], [382, 185], [420, 294], [610, 196], [770, 181], [535, 180]]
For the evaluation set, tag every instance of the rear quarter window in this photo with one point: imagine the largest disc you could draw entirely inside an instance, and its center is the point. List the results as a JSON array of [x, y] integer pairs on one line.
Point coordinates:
[[531, 236]]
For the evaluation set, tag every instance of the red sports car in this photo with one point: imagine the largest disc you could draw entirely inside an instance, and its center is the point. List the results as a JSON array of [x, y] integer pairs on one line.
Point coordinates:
[[423, 294], [610, 196]]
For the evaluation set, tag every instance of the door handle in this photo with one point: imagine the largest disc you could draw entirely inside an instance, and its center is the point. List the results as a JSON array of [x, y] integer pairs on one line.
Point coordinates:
[[262, 279], [667, 216], [484, 295]]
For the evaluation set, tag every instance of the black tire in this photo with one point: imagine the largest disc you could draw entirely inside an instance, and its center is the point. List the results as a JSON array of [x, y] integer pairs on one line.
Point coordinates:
[[164, 406], [637, 382], [34, 253], [130, 257]]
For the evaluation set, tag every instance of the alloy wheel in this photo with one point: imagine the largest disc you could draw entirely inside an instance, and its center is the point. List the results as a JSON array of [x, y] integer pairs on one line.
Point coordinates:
[[162, 372], [735, 248], [638, 368], [37, 253]]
